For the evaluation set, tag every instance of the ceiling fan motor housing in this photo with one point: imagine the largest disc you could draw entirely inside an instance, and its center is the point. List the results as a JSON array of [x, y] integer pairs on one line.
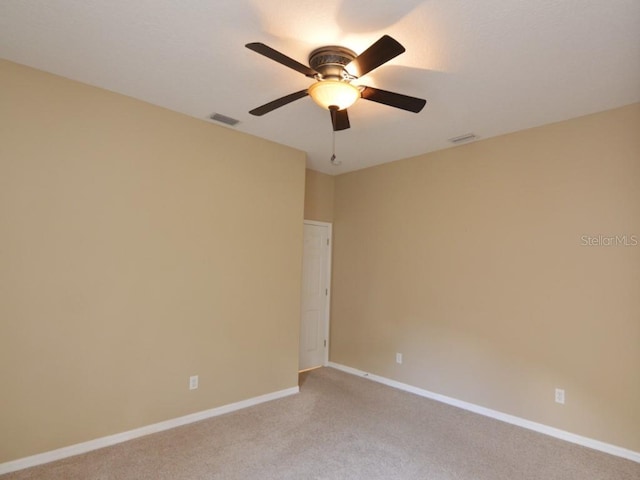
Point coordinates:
[[330, 61]]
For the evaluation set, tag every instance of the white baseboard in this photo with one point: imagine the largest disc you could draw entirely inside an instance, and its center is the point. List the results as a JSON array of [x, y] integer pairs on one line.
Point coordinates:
[[520, 422], [84, 447]]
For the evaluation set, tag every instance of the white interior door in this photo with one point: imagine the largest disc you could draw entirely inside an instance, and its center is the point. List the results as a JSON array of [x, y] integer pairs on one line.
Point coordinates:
[[314, 321]]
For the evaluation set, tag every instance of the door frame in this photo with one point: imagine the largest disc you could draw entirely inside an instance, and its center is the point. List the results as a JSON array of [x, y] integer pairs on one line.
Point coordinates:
[[327, 313]]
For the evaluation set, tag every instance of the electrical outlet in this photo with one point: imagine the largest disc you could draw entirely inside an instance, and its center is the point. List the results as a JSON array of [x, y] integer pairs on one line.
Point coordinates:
[[398, 358], [193, 382], [560, 396]]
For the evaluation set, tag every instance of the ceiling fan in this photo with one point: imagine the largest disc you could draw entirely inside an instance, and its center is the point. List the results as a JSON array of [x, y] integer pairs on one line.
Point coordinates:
[[334, 68]]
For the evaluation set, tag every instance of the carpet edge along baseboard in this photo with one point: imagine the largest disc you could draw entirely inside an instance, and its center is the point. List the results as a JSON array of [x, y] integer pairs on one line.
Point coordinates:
[[504, 417], [84, 447]]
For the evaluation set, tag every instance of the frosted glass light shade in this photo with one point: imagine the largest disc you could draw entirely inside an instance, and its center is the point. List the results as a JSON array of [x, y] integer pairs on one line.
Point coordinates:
[[329, 93]]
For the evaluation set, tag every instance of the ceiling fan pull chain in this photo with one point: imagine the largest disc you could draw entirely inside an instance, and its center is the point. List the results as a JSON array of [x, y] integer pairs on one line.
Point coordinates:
[[333, 147], [334, 160]]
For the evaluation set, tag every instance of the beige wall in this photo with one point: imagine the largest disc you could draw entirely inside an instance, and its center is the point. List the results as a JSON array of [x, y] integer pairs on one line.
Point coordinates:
[[137, 247], [469, 262], [318, 196]]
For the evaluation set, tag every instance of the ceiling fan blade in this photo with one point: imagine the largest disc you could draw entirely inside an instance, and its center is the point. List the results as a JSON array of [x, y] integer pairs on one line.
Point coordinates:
[[405, 102], [280, 102], [269, 52], [380, 52], [339, 119]]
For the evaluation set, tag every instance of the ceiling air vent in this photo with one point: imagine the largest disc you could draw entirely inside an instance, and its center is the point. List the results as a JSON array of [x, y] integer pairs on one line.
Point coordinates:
[[467, 137], [224, 119]]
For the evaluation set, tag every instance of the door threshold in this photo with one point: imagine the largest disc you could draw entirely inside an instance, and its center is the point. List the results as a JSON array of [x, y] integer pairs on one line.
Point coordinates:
[[309, 369]]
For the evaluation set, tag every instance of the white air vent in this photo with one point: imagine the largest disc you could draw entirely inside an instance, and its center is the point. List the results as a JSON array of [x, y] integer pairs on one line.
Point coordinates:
[[467, 137], [224, 119]]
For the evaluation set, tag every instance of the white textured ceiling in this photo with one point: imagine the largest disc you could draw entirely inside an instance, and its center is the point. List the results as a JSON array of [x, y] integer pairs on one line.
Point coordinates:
[[484, 66]]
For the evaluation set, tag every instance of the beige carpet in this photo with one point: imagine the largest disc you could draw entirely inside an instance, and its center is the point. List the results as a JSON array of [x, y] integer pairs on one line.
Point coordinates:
[[343, 427]]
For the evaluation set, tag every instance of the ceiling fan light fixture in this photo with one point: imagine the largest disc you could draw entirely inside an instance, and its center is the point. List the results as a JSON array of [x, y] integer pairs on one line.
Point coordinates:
[[334, 93]]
